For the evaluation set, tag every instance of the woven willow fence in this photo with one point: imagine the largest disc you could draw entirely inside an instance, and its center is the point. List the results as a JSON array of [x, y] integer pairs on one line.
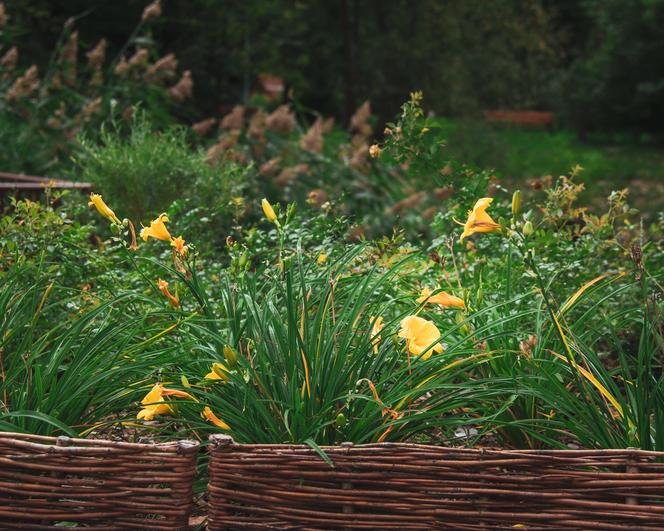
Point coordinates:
[[409, 486], [46, 482]]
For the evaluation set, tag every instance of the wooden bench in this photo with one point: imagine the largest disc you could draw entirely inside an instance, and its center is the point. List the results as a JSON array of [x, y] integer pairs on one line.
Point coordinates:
[[523, 118], [32, 185]]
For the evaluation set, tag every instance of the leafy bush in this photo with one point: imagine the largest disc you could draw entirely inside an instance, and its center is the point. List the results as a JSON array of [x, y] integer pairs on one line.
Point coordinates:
[[148, 170]]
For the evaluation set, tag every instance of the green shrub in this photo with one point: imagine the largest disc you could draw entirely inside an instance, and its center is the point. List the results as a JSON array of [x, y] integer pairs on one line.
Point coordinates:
[[147, 170]]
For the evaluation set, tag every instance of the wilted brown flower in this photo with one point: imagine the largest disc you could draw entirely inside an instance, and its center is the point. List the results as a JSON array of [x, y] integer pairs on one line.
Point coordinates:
[[281, 120], [374, 151], [447, 170], [312, 140], [24, 85], [361, 116], [183, 88], [234, 120], [122, 67], [257, 124], [269, 168], [140, 58], [317, 198], [164, 67], [4, 17], [97, 55], [204, 126], [152, 10], [8, 61]]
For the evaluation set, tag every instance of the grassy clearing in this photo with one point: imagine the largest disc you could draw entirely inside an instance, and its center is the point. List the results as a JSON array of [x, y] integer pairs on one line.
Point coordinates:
[[521, 154]]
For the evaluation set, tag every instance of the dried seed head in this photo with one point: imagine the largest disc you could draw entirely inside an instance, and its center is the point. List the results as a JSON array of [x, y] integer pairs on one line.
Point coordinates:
[[222, 149], [4, 17], [152, 10], [140, 58], [637, 258], [183, 88], [412, 201], [269, 168], [234, 120], [361, 116], [281, 120], [317, 198], [312, 140], [128, 113], [443, 193], [97, 55], [164, 67], [91, 108], [257, 124], [8, 61], [203, 127], [122, 67], [359, 159], [288, 175], [24, 85], [70, 58], [328, 125]]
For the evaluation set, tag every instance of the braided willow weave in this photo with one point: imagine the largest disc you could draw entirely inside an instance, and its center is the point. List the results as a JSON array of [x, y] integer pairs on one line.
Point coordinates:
[[411, 486], [46, 482]]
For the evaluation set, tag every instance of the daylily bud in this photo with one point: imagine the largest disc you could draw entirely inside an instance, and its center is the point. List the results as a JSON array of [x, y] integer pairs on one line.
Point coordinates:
[[528, 228], [516, 203], [230, 355], [269, 211]]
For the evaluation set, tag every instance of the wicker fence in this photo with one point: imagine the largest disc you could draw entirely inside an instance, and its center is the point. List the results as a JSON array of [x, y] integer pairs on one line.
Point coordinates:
[[46, 482], [409, 486]]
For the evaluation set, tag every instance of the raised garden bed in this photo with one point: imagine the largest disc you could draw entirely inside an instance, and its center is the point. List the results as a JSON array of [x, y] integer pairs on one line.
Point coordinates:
[[47, 482], [412, 486]]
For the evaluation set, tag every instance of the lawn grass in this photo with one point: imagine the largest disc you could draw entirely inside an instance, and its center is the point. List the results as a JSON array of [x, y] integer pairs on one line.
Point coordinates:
[[519, 154]]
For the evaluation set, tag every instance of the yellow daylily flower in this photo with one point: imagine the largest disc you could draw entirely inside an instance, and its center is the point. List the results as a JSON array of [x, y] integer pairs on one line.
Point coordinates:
[[479, 220], [322, 259], [376, 326], [442, 298], [419, 333], [163, 287], [207, 412], [157, 229], [218, 372], [152, 405], [179, 245], [269, 211], [97, 201]]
